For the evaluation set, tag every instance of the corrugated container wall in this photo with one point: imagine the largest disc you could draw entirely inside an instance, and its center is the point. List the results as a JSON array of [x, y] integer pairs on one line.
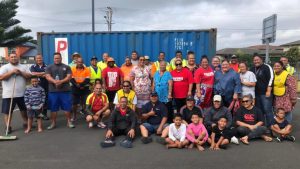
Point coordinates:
[[121, 44]]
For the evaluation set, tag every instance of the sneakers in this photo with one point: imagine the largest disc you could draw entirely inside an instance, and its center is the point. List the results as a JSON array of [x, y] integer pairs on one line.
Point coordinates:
[[279, 139], [290, 138], [126, 143], [52, 126], [146, 140], [101, 125], [91, 124], [71, 125], [107, 143], [161, 140], [234, 140]]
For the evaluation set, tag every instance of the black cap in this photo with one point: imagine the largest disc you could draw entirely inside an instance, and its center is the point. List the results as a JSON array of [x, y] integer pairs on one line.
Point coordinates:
[[94, 58], [153, 94], [190, 98]]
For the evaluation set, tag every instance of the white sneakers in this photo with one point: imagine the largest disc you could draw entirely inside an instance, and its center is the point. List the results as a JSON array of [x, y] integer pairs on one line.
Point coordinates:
[[234, 140]]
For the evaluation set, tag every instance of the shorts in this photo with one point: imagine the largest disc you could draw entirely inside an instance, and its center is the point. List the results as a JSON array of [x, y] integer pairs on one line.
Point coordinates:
[[76, 98], [111, 95], [153, 128], [34, 113], [59, 100], [16, 101]]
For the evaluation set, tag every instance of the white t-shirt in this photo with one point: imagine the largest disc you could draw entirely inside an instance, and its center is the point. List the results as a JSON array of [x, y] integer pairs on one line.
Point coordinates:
[[177, 134], [7, 84], [248, 77]]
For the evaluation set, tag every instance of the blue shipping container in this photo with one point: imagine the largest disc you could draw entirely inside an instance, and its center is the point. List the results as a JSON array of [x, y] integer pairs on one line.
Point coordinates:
[[121, 44]]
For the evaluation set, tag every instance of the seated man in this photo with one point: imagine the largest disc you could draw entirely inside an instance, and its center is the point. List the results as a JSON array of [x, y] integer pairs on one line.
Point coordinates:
[[97, 107], [249, 120], [122, 122], [155, 115], [189, 109]]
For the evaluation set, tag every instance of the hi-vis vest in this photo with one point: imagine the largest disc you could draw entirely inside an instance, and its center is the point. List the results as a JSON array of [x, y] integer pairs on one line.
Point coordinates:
[[157, 66], [95, 75], [290, 70], [130, 96], [279, 83]]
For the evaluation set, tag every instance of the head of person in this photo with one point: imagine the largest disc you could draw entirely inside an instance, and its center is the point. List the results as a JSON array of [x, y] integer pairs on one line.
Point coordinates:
[[98, 81], [110, 62], [57, 58], [190, 102], [204, 62], [94, 61], [280, 113], [162, 66], [178, 54], [215, 61], [196, 118], [147, 60], [257, 60], [75, 56], [79, 63], [191, 58], [284, 60], [161, 56], [278, 67], [13, 58], [153, 97], [38, 59], [34, 81], [247, 101], [222, 122], [128, 61], [142, 61], [234, 59], [105, 56], [126, 86], [123, 102], [243, 67], [134, 55], [217, 101], [178, 64], [97, 89], [177, 120], [225, 66]]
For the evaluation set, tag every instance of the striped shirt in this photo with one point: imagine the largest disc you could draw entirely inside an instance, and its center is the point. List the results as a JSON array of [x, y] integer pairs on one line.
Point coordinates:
[[34, 96]]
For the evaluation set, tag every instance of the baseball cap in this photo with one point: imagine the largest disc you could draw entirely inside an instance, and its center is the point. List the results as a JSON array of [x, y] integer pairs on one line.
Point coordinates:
[[190, 98], [147, 57], [217, 98], [94, 58], [153, 94], [110, 59], [234, 56]]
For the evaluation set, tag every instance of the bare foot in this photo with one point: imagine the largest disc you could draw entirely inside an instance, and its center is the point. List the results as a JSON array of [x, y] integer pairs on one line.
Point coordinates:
[[266, 138], [200, 148], [245, 140], [40, 130], [191, 146], [167, 146], [27, 131]]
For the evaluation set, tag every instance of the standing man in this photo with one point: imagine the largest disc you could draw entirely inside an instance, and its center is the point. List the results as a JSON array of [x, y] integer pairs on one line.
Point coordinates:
[[75, 56], [134, 58], [80, 86], [8, 73], [38, 69], [178, 55], [59, 76], [263, 88], [112, 80], [126, 68], [103, 64], [234, 64], [95, 71], [291, 70], [156, 65]]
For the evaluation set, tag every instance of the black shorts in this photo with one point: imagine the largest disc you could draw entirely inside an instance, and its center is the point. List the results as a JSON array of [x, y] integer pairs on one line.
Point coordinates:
[[76, 98], [16, 101], [111, 95]]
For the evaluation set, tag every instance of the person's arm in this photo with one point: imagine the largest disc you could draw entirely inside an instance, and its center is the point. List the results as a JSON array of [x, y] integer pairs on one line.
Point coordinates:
[[26, 99], [153, 85], [106, 105], [276, 129], [183, 132], [243, 124], [212, 136], [270, 84], [171, 134], [292, 89], [170, 83], [133, 120], [121, 78], [162, 123], [25, 73], [104, 79], [229, 118], [74, 83], [190, 81], [237, 86], [207, 117], [50, 79], [8, 74], [217, 146]]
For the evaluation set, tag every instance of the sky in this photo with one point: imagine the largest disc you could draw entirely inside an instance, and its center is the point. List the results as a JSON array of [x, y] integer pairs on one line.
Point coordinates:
[[238, 22]]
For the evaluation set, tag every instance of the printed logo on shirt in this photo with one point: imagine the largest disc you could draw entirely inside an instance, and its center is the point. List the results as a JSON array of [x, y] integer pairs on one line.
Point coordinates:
[[64, 69], [209, 74], [112, 79], [249, 117], [177, 79]]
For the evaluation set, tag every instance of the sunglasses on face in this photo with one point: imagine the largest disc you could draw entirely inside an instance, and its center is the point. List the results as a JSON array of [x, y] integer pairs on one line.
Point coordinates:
[[126, 86], [178, 64], [245, 101]]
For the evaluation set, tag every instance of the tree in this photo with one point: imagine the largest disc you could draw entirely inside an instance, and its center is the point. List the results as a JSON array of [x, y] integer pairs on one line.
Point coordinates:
[[244, 57], [11, 34], [292, 54]]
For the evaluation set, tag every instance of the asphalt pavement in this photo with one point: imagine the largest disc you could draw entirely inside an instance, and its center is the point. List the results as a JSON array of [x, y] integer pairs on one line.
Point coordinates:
[[64, 148]]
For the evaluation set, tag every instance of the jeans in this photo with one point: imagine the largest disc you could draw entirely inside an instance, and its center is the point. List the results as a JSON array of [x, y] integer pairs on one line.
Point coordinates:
[[265, 105], [289, 116], [256, 133]]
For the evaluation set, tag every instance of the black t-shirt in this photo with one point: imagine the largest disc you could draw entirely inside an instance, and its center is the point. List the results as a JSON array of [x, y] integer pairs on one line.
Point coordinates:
[[187, 113], [250, 117], [281, 125], [219, 133]]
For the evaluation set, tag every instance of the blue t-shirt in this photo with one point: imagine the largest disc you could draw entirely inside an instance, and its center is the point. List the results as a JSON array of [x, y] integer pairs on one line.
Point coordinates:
[[162, 86], [160, 111]]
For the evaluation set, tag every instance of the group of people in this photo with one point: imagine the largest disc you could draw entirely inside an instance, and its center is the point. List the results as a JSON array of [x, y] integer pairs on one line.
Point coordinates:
[[185, 104]]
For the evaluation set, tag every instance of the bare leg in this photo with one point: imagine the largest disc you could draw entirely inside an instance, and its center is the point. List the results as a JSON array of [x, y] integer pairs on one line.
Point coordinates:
[[165, 132], [68, 116], [53, 118], [24, 116], [39, 122], [144, 131], [29, 125]]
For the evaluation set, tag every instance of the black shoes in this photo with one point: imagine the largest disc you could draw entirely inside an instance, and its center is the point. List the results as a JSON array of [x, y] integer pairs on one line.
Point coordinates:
[[146, 140]]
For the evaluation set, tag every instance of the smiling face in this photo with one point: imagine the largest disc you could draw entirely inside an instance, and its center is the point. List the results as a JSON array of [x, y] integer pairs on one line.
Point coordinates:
[[257, 61], [195, 119], [204, 63], [177, 121], [215, 62], [247, 102], [13, 59], [142, 61], [284, 60], [277, 67], [191, 59], [162, 66], [57, 59], [128, 62], [123, 102], [225, 66], [222, 122], [178, 65], [39, 59], [243, 67], [161, 56], [34, 82]]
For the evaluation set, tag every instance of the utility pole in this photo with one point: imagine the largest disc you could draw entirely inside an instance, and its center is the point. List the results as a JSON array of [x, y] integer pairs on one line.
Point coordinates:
[[108, 18], [93, 15]]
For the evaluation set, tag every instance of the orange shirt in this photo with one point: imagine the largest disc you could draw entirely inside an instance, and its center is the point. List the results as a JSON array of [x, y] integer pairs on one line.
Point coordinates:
[[80, 74], [126, 71]]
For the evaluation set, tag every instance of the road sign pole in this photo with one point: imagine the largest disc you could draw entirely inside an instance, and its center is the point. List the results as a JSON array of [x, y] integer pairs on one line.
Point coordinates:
[[267, 51]]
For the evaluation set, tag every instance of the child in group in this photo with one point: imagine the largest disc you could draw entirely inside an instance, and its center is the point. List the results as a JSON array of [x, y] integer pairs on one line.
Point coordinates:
[[281, 128], [34, 99], [220, 135], [177, 132], [196, 132]]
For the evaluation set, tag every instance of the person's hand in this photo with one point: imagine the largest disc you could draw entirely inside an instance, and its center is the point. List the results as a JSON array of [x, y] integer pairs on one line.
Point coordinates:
[[212, 147], [131, 133], [28, 107], [252, 127], [16, 71], [169, 96], [217, 148], [189, 93], [268, 93], [235, 96], [151, 113], [213, 125], [109, 134], [159, 131], [199, 94]]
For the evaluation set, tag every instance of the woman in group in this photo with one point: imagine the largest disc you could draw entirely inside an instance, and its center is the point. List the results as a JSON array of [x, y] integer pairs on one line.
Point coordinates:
[[248, 80], [204, 79], [284, 90], [141, 82]]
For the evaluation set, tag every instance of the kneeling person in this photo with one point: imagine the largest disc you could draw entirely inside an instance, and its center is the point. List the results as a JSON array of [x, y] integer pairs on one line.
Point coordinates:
[[97, 107], [122, 122]]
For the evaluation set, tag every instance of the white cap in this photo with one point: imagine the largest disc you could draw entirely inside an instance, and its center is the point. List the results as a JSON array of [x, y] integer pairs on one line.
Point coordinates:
[[217, 98], [147, 57]]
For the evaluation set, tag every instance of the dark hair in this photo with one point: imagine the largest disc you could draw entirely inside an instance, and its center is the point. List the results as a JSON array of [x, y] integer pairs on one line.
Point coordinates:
[[245, 63], [223, 117], [282, 65], [134, 51], [279, 109], [127, 81], [178, 51], [190, 53], [177, 115], [162, 52], [248, 96], [196, 114], [98, 80], [39, 54], [257, 55], [12, 52], [225, 60], [57, 53], [204, 57], [34, 77]]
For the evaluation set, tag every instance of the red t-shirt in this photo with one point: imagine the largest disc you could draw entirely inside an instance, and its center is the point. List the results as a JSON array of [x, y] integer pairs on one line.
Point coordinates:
[[181, 81], [235, 67], [204, 76], [112, 77]]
